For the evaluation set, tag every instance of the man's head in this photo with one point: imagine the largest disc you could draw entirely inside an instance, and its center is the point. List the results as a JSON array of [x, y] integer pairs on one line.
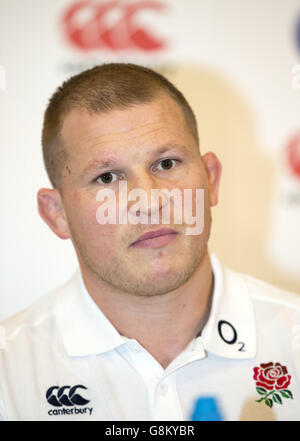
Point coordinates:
[[119, 123], [99, 90]]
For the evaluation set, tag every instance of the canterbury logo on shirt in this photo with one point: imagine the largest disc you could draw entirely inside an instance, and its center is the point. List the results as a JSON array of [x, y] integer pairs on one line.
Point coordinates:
[[65, 396]]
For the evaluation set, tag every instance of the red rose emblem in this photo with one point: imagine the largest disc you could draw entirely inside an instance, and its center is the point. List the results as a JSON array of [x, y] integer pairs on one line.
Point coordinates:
[[272, 380], [272, 376]]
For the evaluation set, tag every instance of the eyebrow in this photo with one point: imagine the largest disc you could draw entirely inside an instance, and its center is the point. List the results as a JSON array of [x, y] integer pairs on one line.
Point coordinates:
[[97, 163]]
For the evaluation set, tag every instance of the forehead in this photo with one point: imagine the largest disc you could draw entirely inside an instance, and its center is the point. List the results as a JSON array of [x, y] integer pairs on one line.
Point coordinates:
[[162, 119]]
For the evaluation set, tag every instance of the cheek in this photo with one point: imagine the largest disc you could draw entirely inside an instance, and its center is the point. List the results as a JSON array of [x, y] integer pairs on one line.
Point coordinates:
[[199, 177], [81, 213], [98, 241], [101, 237]]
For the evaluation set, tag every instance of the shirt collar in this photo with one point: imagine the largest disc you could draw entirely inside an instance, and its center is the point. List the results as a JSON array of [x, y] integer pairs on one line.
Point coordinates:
[[229, 331], [84, 328]]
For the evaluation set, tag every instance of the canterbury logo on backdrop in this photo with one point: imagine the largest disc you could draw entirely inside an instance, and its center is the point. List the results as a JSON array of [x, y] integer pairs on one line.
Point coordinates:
[[65, 396], [112, 25]]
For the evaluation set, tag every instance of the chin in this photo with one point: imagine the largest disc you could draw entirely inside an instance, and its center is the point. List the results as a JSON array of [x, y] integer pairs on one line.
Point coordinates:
[[161, 283]]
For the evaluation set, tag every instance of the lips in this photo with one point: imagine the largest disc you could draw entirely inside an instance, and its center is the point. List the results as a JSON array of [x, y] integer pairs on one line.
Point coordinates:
[[154, 234]]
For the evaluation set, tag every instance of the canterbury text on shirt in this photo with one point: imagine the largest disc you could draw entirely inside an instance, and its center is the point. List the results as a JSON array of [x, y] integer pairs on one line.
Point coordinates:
[[61, 359]]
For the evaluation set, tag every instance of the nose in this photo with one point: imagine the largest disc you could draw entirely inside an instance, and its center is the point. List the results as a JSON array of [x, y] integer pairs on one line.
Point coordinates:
[[141, 189]]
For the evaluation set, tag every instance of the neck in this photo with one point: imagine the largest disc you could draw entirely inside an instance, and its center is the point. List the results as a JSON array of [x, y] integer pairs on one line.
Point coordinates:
[[163, 324]]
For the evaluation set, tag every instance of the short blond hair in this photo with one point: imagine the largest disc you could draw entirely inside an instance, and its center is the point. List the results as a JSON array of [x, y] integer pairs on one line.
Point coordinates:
[[101, 89]]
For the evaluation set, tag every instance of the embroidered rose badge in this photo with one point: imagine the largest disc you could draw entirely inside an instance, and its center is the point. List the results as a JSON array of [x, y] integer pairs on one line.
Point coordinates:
[[272, 381]]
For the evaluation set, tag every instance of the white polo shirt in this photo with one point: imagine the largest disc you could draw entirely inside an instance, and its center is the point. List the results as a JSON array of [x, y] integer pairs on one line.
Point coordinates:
[[61, 359]]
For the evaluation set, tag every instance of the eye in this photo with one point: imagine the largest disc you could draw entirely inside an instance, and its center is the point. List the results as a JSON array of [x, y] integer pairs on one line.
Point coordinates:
[[106, 178], [167, 164]]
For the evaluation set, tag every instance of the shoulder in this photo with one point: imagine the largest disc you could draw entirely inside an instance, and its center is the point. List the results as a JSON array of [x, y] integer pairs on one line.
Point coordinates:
[[259, 291], [263, 292], [273, 307], [34, 317], [275, 312]]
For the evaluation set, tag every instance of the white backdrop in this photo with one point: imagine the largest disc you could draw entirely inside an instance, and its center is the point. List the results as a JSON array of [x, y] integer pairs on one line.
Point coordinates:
[[251, 43]]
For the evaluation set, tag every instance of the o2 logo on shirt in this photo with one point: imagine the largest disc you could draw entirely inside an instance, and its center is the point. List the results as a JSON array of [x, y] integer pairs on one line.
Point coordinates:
[[229, 335]]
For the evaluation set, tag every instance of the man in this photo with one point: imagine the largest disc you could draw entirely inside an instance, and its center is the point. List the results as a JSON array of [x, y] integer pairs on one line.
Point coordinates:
[[150, 323]]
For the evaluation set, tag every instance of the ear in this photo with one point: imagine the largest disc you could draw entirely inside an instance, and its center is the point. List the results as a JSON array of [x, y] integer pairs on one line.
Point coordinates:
[[214, 170], [51, 210]]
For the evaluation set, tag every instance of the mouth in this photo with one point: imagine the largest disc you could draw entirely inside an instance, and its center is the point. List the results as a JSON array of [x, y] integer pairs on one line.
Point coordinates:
[[155, 239]]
